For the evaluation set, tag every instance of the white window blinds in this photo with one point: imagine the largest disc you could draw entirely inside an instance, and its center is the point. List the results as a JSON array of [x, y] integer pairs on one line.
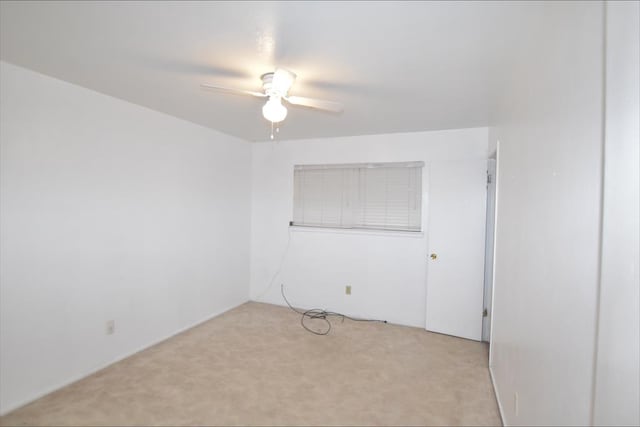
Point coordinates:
[[383, 196]]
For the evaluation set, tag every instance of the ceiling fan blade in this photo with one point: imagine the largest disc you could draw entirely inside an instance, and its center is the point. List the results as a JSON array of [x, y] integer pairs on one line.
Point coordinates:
[[319, 104], [283, 80], [234, 91]]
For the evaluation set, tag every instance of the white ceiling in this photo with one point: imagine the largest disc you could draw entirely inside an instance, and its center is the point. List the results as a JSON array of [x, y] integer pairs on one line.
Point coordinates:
[[396, 67]]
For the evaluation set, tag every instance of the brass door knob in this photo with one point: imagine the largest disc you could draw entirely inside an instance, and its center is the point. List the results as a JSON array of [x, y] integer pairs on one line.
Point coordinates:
[[434, 256]]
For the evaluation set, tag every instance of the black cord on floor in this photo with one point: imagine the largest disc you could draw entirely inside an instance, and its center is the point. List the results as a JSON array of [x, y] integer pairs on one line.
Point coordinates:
[[317, 313]]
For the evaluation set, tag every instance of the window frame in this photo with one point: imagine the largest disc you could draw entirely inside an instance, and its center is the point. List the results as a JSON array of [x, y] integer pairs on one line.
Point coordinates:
[[358, 227]]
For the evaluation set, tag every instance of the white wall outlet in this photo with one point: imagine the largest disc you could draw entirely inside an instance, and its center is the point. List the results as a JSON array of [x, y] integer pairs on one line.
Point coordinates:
[[516, 403], [110, 327], [347, 289]]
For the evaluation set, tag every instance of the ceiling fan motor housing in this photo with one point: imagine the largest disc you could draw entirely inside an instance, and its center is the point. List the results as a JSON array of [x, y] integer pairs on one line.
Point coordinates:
[[267, 80], [278, 83]]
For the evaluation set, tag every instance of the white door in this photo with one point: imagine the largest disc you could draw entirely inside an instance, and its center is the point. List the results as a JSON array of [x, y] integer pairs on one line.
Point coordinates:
[[456, 248], [488, 250]]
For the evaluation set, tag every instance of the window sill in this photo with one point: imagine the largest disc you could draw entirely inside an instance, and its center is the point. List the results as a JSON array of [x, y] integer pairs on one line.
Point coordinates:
[[356, 231]]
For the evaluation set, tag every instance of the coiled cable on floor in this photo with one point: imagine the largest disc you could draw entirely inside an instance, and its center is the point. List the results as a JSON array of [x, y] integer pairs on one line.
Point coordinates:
[[317, 313]]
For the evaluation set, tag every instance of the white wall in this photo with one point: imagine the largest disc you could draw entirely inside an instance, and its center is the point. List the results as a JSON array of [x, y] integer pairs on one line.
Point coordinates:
[[386, 270], [547, 245], [618, 359], [109, 211]]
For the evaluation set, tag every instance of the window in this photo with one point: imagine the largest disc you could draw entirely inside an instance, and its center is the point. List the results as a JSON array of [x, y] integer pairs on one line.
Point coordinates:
[[381, 196]]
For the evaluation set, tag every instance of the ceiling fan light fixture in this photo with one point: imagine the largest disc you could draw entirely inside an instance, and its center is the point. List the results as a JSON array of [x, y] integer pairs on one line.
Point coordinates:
[[274, 111]]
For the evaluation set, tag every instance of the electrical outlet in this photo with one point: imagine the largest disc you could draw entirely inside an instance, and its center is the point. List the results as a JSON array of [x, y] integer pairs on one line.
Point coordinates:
[[347, 289], [516, 403], [111, 327]]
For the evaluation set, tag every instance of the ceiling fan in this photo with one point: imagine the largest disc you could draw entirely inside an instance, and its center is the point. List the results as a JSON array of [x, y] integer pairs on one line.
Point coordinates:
[[275, 86]]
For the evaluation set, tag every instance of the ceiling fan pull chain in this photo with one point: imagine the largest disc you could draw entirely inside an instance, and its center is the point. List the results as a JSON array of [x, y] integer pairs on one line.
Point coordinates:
[[272, 130]]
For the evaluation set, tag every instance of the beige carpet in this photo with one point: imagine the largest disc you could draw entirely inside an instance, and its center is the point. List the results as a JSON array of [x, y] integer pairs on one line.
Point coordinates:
[[255, 365]]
